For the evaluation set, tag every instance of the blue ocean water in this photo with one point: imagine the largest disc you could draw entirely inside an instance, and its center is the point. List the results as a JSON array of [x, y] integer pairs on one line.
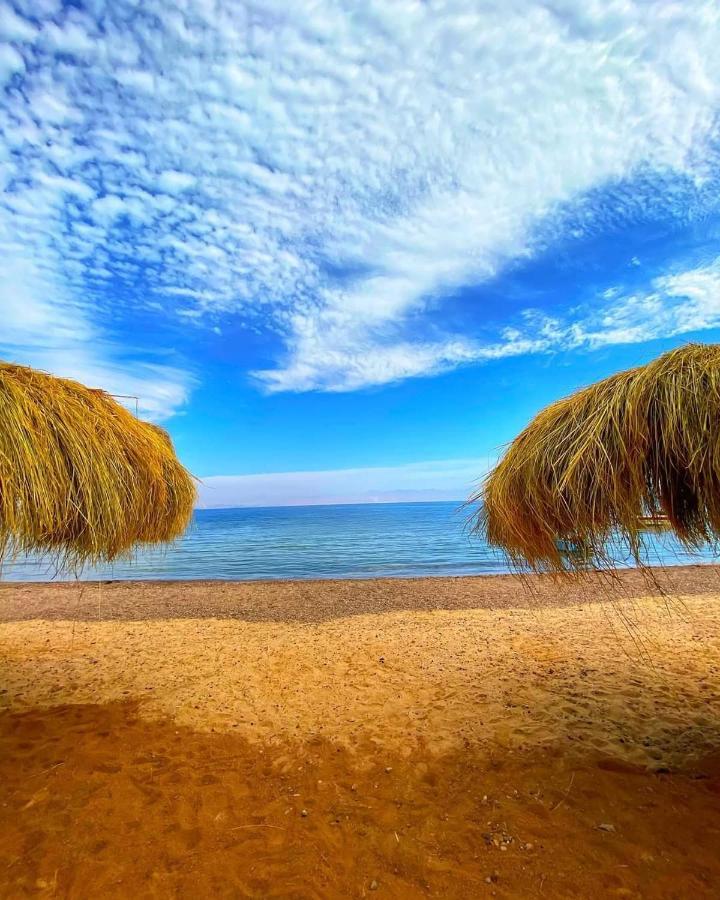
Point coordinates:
[[349, 541]]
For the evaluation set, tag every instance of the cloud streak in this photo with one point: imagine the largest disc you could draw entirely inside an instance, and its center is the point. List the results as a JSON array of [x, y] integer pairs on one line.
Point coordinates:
[[671, 305], [50, 331]]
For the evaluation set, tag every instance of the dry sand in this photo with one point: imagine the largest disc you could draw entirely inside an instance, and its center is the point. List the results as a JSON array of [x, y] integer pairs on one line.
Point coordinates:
[[436, 737]]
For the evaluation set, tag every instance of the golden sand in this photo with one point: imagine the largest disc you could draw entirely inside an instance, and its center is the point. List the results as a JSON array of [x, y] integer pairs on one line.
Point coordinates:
[[537, 751], [637, 680]]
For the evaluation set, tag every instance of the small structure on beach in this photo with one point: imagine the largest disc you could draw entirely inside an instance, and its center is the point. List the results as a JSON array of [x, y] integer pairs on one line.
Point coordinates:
[[637, 451], [82, 478]]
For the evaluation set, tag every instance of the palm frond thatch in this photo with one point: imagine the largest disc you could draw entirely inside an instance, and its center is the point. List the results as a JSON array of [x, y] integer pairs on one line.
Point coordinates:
[[80, 477], [644, 442]]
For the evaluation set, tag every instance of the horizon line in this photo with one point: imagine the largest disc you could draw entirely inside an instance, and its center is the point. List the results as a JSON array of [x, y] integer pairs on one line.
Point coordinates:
[[460, 500]]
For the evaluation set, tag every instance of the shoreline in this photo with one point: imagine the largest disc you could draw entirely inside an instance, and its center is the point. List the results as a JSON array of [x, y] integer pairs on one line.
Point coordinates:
[[319, 600]]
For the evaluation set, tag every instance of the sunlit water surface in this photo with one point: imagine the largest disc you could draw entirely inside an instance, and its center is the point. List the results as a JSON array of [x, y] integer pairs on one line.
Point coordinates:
[[349, 541]]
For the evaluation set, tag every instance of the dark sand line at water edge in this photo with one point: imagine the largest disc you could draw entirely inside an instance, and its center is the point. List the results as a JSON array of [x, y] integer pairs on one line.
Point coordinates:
[[324, 600]]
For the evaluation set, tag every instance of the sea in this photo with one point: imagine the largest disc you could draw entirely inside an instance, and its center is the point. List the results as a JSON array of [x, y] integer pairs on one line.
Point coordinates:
[[372, 540]]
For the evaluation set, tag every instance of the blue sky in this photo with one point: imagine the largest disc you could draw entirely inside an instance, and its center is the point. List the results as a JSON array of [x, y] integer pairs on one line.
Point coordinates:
[[364, 240]]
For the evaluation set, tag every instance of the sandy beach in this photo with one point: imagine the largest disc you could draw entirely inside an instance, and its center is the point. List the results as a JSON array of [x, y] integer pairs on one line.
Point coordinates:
[[402, 738]]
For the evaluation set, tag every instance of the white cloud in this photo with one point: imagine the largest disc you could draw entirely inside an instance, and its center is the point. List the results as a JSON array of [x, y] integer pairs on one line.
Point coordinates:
[[57, 335], [175, 182], [135, 78], [670, 306], [156, 391], [436, 480], [106, 209], [673, 305], [333, 171], [11, 62], [13, 27], [70, 38]]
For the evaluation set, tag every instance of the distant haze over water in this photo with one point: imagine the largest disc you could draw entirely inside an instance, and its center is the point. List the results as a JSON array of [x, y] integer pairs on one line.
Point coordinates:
[[353, 541]]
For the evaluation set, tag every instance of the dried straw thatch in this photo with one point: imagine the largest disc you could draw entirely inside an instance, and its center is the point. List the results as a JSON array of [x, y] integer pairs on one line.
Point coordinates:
[[80, 477], [643, 442]]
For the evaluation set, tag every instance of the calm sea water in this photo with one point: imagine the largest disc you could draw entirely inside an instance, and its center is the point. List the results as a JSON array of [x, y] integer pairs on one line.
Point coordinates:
[[358, 541]]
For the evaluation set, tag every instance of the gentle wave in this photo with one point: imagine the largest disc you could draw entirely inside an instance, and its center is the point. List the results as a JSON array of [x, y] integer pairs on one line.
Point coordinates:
[[353, 541]]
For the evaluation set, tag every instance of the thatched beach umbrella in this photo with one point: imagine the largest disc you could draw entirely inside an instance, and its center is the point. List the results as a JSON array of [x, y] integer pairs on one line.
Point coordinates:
[[80, 477], [644, 442]]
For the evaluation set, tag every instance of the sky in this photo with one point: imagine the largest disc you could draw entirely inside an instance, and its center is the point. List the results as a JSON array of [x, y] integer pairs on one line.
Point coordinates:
[[343, 250]]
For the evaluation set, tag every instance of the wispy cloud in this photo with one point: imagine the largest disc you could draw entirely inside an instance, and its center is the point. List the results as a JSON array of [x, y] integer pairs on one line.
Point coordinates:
[[436, 480], [673, 304], [43, 327], [670, 305], [333, 171]]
